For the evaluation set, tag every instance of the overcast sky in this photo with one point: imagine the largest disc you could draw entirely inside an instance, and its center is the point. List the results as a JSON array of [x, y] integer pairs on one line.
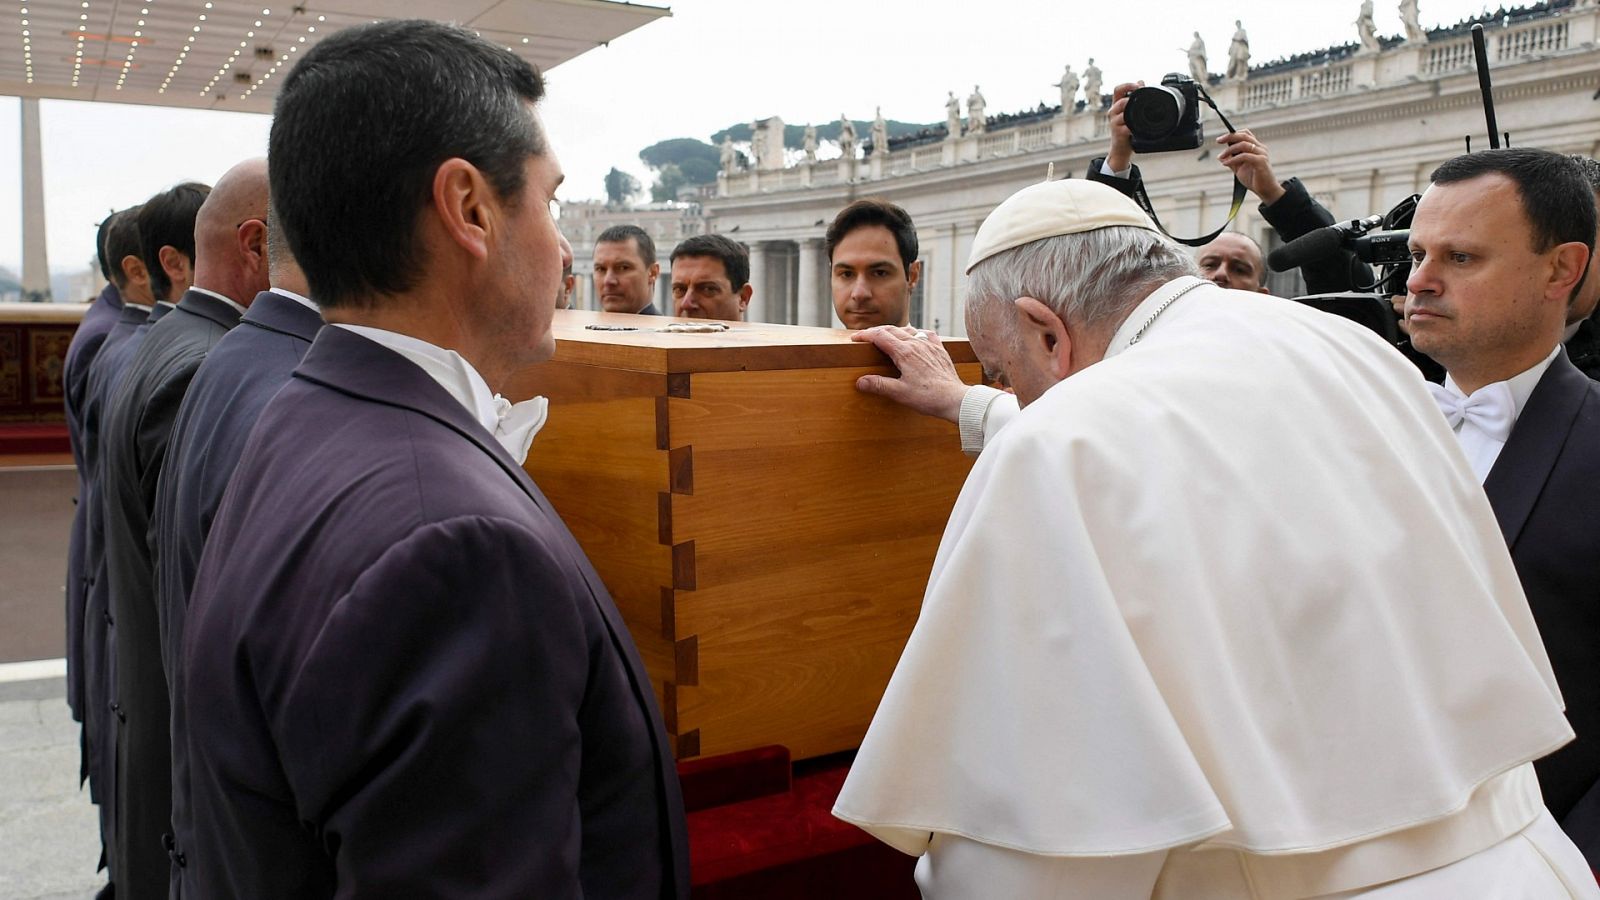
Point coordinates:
[[711, 64]]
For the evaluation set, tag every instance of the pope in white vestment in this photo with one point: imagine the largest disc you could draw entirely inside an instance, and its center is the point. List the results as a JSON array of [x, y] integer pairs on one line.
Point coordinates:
[[1221, 613]]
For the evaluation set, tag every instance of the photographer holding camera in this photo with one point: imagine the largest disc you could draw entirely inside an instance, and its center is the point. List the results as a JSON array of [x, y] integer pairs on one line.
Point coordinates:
[[1233, 259]]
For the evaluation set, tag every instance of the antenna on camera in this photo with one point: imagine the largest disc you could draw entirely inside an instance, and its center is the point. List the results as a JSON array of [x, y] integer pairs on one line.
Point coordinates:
[[1480, 56]]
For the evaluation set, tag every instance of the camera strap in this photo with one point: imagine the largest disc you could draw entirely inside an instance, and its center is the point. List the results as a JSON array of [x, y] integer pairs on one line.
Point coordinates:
[[1143, 199]]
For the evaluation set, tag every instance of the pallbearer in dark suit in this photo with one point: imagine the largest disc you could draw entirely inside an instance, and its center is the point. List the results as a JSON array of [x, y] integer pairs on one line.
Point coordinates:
[[240, 374], [171, 219], [86, 343], [1500, 245], [230, 268], [400, 675]]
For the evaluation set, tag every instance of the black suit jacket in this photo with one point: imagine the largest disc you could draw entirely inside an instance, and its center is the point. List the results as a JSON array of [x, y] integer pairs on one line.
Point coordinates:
[[1545, 490], [91, 335], [98, 705], [133, 451], [240, 374], [401, 676]]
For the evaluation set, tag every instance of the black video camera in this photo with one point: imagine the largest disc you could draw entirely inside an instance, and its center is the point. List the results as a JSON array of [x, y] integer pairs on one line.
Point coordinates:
[[1165, 117]]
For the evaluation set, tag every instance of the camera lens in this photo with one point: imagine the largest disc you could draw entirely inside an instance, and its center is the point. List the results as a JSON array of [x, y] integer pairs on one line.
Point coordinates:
[[1153, 112]]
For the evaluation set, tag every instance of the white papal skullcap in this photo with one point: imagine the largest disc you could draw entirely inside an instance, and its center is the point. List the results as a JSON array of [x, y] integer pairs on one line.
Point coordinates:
[[1050, 208]]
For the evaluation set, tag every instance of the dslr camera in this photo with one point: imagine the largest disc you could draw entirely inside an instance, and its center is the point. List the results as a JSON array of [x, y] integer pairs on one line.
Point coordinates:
[[1165, 117]]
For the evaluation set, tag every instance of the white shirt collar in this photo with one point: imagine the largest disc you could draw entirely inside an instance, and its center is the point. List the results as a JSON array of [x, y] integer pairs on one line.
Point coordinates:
[[139, 306], [302, 300], [512, 424], [1520, 384], [201, 290]]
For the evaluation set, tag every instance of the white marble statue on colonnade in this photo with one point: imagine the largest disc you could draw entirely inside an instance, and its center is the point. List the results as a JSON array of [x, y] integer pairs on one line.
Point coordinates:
[[730, 158], [976, 121], [880, 134], [1239, 53], [847, 137], [1091, 86], [952, 116], [1411, 17], [758, 140], [1069, 90], [1367, 29], [810, 145], [1197, 59]]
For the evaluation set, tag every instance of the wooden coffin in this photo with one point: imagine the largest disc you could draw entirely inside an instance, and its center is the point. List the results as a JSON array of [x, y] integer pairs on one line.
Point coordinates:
[[765, 529]]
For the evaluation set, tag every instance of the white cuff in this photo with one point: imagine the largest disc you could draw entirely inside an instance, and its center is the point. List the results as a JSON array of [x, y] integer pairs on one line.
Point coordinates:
[[1125, 174], [974, 406]]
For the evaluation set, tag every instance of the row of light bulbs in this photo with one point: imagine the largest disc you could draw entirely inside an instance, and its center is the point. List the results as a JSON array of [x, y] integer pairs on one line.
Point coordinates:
[[183, 54]]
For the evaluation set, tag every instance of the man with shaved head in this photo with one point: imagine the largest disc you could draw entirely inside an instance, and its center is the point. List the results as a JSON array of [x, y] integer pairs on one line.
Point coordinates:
[[229, 269]]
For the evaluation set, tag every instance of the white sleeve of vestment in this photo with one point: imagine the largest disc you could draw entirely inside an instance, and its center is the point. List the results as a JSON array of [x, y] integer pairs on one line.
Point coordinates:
[[984, 411], [956, 868]]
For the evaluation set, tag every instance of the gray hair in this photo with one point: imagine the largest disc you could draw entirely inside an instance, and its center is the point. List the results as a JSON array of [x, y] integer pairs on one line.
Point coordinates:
[[1093, 279]]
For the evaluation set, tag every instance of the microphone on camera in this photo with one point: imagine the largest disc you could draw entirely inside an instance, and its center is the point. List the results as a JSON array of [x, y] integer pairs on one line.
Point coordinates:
[[1319, 244]]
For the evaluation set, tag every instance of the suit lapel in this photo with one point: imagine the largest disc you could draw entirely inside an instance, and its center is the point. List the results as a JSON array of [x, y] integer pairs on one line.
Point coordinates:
[[1520, 472]]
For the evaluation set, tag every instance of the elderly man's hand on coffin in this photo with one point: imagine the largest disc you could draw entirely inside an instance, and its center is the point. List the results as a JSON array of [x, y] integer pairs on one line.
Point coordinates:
[[928, 382]]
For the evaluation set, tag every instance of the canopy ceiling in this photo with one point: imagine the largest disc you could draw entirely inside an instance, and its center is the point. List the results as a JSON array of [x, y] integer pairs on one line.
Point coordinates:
[[228, 54]]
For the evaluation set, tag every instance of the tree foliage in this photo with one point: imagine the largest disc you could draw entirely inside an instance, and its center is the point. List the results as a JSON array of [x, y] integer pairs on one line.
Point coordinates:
[[620, 187]]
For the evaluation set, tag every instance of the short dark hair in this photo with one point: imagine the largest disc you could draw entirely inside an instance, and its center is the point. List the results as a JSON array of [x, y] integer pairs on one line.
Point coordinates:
[[735, 258], [1591, 169], [1556, 197], [167, 220], [361, 125], [873, 211], [122, 241], [100, 245], [617, 234]]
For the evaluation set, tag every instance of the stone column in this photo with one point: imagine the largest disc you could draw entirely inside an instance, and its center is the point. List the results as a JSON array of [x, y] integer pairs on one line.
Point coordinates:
[[35, 257], [757, 311], [813, 307]]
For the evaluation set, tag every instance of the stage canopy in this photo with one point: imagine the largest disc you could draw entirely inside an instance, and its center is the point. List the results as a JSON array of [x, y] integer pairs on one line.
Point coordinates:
[[228, 54]]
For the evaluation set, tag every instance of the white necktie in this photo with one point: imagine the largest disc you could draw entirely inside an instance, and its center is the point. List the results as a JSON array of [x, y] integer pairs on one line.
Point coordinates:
[[518, 423], [1488, 409]]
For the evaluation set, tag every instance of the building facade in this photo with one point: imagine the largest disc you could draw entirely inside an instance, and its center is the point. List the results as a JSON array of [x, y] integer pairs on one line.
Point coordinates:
[[1362, 128]]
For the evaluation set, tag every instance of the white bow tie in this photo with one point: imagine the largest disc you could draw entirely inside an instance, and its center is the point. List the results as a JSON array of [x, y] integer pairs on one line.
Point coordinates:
[[1488, 409], [517, 423]]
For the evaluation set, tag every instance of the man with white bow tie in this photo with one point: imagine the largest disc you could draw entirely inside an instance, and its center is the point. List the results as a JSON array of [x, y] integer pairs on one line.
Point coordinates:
[[1500, 245], [399, 674]]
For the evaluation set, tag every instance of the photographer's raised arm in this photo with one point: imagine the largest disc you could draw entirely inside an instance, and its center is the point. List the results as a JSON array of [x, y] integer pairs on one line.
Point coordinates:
[[1291, 211], [1116, 168]]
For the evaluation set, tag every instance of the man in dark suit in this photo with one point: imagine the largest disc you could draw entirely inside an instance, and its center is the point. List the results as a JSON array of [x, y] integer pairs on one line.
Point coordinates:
[[167, 221], [240, 374], [229, 269], [400, 675], [1500, 244], [97, 322], [625, 270]]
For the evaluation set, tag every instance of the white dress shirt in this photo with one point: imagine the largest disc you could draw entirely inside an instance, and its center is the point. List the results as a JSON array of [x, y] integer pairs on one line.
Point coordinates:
[[512, 424], [1482, 448]]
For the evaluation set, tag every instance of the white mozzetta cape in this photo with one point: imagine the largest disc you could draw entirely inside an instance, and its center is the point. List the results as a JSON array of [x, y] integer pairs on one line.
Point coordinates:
[[1235, 584]]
